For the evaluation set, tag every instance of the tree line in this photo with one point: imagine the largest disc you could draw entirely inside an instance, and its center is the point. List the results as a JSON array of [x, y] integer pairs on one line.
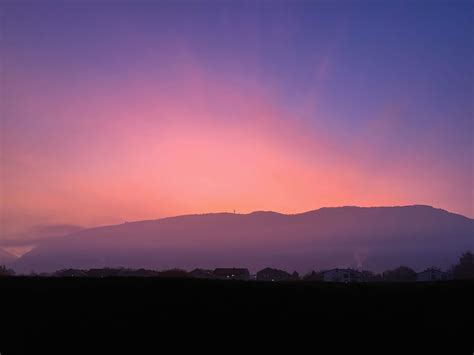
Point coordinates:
[[463, 269]]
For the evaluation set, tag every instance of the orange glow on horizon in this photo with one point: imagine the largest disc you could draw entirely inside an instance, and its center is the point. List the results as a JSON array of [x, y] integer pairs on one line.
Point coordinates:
[[149, 152]]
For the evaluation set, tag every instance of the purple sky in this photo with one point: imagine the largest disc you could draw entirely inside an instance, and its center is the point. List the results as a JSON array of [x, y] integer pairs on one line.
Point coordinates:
[[126, 110]]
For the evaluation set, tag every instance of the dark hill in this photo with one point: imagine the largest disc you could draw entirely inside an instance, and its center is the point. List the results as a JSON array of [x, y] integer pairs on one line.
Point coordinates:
[[375, 238], [6, 258]]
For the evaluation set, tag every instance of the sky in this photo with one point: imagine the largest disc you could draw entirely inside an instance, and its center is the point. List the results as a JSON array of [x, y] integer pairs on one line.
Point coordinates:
[[116, 111]]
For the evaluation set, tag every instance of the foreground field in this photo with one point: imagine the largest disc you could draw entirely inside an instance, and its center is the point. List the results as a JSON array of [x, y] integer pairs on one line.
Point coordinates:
[[145, 314]]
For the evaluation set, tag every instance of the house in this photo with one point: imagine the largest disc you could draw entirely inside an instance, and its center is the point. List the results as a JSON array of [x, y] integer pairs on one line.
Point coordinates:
[[432, 274], [269, 274], [202, 274], [232, 274], [70, 273], [341, 275]]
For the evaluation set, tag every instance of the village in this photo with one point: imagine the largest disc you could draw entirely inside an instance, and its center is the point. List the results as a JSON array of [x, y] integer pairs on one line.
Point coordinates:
[[343, 275], [464, 269]]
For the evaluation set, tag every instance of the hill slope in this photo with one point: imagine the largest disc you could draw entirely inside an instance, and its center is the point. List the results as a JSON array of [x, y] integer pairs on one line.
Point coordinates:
[[376, 238], [6, 258]]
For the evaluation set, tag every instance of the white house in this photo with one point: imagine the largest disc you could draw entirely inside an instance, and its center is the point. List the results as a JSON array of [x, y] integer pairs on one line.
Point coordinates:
[[432, 274], [341, 275]]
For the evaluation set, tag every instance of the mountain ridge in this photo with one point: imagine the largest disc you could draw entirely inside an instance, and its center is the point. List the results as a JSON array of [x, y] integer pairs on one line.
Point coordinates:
[[284, 214], [6, 258], [375, 237]]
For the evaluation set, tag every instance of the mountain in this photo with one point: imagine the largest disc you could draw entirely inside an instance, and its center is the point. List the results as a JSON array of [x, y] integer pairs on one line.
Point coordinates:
[[6, 258], [375, 238]]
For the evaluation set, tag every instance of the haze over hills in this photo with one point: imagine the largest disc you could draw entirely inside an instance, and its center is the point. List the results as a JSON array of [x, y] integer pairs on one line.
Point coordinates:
[[6, 258], [375, 238]]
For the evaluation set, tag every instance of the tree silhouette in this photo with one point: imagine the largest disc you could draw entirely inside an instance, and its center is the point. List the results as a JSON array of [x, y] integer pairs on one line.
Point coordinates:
[[400, 274], [6, 272], [174, 273], [313, 276], [465, 268]]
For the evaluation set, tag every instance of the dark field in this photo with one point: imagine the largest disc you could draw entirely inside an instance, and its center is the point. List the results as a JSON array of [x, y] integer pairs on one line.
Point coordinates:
[[143, 315]]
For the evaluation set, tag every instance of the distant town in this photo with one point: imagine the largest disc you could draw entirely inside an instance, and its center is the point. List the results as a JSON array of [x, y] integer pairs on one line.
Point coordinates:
[[464, 269]]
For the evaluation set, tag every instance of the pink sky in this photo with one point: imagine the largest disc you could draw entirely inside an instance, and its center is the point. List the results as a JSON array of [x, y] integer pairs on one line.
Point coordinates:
[[145, 153], [124, 122]]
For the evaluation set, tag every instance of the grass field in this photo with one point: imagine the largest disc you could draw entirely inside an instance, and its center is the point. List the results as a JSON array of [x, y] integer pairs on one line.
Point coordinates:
[[41, 315]]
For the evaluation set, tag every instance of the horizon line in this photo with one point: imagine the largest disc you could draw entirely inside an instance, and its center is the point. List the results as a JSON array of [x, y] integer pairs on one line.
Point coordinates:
[[5, 243]]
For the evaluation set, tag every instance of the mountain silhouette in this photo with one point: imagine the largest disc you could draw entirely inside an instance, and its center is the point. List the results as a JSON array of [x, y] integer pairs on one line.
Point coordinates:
[[375, 238], [6, 258]]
